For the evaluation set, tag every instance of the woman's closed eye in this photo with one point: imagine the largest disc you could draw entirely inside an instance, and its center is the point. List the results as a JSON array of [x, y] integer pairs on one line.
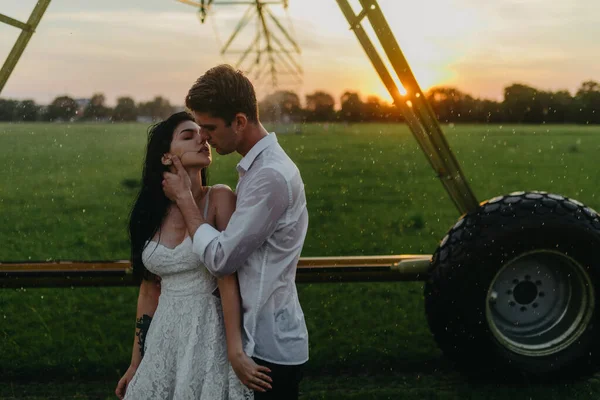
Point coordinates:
[[188, 136]]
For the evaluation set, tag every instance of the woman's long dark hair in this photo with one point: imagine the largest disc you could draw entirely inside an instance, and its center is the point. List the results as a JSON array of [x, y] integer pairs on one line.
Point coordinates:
[[151, 204]]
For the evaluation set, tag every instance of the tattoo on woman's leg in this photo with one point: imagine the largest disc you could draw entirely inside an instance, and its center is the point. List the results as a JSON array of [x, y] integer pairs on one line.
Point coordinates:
[[142, 324]]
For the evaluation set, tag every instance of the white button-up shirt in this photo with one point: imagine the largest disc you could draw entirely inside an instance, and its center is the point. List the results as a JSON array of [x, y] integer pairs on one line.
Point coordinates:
[[262, 242]]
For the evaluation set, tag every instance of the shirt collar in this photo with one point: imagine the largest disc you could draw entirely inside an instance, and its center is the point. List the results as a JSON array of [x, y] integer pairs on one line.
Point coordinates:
[[246, 162]]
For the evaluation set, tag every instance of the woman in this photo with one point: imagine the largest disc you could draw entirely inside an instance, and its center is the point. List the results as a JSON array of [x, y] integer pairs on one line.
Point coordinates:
[[188, 327]]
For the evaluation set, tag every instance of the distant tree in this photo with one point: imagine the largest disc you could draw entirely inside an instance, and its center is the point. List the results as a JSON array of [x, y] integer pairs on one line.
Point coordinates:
[[587, 103], [282, 105], [488, 111], [373, 109], [451, 105], [26, 111], [156, 109], [523, 104], [351, 107], [559, 107], [8, 109], [125, 110], [320, 107], [96, 108], [62, 108]]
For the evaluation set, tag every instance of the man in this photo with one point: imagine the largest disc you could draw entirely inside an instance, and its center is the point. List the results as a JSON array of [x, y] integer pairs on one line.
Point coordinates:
[[264, 237]]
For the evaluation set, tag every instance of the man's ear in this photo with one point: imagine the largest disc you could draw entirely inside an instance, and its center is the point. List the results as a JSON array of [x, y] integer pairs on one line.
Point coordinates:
[[240, 122], [166, 159]]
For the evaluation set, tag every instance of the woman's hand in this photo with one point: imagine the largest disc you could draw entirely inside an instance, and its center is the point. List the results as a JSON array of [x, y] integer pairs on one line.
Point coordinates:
[[124, 381], [251, 374]]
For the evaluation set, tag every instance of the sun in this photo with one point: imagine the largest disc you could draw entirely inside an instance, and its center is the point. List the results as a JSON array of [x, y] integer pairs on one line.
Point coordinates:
[[433, 41], [426, 76]]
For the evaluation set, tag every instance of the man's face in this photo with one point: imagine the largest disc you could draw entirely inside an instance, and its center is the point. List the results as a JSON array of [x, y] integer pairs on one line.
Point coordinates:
[[221, 136]]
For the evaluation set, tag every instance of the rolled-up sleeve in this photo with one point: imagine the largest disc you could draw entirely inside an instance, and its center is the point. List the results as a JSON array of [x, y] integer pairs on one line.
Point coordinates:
[[258, 211]]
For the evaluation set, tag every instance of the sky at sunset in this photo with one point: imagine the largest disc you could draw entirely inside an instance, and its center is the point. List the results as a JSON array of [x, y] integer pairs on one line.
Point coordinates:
[[144, 48]]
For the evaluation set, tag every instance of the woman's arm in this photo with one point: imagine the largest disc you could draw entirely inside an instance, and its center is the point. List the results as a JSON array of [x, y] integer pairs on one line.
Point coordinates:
[[231, 301], [146, 306], [249, 373]]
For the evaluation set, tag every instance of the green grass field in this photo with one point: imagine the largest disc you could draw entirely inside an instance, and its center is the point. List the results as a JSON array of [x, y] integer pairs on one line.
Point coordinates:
[[66, 191]]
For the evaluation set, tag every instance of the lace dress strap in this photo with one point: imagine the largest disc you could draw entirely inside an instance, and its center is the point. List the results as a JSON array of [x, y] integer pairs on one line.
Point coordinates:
[[206, 203]]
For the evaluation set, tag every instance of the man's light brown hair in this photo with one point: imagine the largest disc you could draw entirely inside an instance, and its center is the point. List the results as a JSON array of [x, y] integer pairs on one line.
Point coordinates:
[[223, 92]]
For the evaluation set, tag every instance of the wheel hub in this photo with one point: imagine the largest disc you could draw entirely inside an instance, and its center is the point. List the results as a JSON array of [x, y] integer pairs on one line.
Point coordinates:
[[539, 303], [525, 292]]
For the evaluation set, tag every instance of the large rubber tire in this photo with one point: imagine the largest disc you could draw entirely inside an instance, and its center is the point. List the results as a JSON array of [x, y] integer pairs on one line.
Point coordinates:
[[513, 288]]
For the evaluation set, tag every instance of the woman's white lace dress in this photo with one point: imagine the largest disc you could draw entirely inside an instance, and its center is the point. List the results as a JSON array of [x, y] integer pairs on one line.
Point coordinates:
[[185, 354]]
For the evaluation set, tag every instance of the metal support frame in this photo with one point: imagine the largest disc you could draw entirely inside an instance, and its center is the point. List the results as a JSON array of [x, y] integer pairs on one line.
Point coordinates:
[[414, 106], [118, 272], [27, 30], [273, 46]]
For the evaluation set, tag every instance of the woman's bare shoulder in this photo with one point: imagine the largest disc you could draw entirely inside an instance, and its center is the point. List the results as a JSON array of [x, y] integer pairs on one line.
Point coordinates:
[[222, 198], [222, 201], [221, 191]]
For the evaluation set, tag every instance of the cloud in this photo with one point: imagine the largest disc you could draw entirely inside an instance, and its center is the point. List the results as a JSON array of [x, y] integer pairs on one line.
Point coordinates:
[[177, 22]]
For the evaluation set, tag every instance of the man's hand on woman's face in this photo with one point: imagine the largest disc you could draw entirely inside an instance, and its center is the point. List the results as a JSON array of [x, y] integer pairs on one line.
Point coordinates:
[[176, 185]]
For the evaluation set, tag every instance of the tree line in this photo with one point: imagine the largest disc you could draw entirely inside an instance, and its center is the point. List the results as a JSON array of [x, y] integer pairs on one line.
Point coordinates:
[[521, 104], [66, 108]]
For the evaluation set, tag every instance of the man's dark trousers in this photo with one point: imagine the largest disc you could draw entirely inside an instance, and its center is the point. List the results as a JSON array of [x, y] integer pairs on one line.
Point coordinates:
[[286, 381]]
